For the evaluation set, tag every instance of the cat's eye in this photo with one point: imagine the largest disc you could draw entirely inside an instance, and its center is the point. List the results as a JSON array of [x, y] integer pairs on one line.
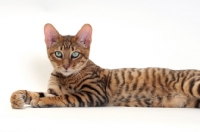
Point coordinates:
[[58, 54], [75, 54]]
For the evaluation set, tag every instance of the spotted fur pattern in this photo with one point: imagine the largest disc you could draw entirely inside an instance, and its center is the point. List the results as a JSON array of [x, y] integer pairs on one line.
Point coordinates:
[[78, 82]]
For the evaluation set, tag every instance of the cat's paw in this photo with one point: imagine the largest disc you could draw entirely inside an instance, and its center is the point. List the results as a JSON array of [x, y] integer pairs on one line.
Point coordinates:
[[18, 98]]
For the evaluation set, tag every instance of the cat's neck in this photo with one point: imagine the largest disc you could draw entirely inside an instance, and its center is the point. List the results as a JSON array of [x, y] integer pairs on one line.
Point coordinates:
[[90, 67]]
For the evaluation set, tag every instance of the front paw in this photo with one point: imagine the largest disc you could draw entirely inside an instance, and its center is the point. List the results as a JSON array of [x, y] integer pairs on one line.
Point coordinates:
[[18, 98]]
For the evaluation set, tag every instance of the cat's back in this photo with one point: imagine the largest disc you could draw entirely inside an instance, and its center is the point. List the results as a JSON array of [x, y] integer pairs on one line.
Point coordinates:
[[151, 76]]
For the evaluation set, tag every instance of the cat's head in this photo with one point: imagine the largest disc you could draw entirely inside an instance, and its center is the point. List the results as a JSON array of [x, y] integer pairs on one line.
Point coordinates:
[[68, 54]]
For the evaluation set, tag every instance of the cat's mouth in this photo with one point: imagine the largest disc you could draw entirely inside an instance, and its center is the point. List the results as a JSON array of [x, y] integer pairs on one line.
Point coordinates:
[[69, 71], [65, 72]]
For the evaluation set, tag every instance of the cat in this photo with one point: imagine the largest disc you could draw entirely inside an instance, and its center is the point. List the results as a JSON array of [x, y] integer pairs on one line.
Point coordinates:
[[78, 82]]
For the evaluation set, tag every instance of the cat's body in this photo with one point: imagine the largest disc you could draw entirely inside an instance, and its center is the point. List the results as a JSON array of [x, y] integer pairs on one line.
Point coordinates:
[[77, 82], [148, 87]]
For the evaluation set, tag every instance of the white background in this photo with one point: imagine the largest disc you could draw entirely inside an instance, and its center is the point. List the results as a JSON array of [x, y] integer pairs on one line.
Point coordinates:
[[126, 33]]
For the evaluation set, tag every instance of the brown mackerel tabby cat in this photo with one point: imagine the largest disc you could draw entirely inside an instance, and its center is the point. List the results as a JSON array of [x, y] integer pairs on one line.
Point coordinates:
[[77, 82]]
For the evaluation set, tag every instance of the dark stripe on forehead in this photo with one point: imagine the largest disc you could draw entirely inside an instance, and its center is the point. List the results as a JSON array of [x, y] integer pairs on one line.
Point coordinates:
[[67, 41], [70, 44], [70, 40], [66, 44]]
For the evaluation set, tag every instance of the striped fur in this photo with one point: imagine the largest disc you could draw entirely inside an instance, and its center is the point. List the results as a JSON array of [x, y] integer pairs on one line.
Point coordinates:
[[78, 82]]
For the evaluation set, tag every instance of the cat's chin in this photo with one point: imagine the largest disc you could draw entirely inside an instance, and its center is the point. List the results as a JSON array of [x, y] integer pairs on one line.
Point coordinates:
[[69, 71], [66, 73]]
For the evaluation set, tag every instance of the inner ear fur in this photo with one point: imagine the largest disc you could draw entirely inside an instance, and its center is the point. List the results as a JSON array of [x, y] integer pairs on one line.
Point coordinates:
[[51, 35], [84, 35]]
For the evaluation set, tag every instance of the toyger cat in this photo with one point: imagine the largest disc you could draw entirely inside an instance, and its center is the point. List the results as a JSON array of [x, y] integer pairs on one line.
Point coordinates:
[[78, 82]]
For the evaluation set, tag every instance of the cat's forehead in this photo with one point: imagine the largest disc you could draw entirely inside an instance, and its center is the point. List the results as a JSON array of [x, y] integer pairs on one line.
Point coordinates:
[[67, 41]]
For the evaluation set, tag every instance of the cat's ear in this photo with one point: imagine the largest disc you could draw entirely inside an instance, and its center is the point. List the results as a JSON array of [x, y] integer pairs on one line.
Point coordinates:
[[51, 35], [84, 35]]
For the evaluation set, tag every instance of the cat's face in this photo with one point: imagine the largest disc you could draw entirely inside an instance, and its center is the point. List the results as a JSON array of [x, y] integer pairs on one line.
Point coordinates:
[[68, 54]]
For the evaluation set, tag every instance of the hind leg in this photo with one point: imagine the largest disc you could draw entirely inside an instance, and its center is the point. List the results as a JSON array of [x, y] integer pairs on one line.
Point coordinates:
[[144, 102], [177, 101], [193, 103]]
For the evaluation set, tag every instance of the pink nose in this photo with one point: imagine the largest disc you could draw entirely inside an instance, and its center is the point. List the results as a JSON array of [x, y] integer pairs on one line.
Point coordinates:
[[66, 66]]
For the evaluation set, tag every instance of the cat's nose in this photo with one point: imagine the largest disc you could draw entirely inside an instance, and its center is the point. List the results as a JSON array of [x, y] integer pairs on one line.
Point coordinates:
[[66, 66]]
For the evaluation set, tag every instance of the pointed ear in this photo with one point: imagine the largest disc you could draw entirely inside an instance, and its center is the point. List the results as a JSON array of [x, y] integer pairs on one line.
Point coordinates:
[[84, 35], [51, 35]]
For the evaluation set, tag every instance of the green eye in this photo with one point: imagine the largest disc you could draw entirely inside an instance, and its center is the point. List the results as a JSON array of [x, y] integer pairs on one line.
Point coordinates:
[[75, 54], [58, 54]]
